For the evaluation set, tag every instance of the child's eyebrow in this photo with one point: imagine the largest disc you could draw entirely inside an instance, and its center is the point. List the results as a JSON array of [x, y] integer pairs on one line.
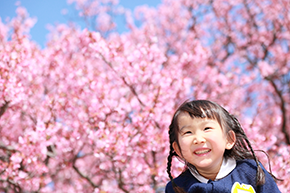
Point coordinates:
[[184, 127], [208, 121]]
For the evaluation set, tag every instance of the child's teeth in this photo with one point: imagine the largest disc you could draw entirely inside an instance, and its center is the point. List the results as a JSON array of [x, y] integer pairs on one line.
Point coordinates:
[[202, 151]]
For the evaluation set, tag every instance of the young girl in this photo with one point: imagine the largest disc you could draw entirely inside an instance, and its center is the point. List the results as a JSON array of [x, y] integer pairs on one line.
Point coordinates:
[[217, 153]]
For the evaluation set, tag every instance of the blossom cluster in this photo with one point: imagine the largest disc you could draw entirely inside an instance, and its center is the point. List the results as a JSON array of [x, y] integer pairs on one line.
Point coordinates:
[[90, 112]]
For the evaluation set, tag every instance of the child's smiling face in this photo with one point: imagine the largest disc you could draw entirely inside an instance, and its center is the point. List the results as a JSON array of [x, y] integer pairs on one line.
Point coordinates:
[[202, 143]]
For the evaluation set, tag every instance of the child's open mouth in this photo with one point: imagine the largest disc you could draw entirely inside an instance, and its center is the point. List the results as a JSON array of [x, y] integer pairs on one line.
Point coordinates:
[[202, 151]]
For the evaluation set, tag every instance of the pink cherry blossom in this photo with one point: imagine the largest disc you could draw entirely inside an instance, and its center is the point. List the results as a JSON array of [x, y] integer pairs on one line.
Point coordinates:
[[91, 110]]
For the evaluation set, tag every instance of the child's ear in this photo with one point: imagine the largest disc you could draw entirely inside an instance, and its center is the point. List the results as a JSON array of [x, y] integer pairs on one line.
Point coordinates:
[[176, 149], [231, 139]]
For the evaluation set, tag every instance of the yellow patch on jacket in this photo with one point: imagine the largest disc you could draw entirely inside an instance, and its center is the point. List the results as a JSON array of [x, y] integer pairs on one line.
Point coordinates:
[[242, 188]]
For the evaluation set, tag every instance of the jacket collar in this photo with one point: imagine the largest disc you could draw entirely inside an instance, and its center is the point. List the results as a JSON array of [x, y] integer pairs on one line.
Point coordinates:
[[227, 166]]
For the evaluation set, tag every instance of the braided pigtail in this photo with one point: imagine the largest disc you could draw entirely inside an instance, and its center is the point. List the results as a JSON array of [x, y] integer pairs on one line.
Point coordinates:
[[172, 139], [169, 163], [260, 175], [176, 188], [241, 137]]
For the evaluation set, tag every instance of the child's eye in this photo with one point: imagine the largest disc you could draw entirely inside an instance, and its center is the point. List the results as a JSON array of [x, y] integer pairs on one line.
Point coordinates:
[[207, 128], [187, 132]]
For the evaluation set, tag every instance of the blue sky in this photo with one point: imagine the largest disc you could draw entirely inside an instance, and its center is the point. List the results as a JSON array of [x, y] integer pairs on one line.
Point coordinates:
[[49, 12]]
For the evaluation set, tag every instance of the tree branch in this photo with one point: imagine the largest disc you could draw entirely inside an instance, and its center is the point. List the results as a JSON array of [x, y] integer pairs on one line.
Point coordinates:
[[87, 178], [283, 109], [3, 108]]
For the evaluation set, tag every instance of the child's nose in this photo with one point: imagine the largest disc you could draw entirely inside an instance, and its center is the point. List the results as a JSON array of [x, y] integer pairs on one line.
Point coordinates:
[[198, 139]]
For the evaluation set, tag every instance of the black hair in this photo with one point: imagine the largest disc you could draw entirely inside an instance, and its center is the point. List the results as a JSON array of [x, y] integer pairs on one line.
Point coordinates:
[[242, 148]]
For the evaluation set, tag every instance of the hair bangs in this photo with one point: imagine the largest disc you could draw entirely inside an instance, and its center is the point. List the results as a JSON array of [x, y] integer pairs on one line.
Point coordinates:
[[202, 109]]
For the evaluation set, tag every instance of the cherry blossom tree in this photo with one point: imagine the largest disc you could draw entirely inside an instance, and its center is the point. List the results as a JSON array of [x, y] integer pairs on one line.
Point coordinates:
[[90, 112]]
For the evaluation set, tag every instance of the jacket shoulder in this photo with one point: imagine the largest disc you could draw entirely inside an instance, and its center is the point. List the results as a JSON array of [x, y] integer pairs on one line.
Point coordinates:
[[184, 180]]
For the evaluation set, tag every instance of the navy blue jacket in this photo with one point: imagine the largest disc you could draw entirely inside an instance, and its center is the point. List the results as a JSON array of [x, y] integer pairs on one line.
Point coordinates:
[[244, 174]]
